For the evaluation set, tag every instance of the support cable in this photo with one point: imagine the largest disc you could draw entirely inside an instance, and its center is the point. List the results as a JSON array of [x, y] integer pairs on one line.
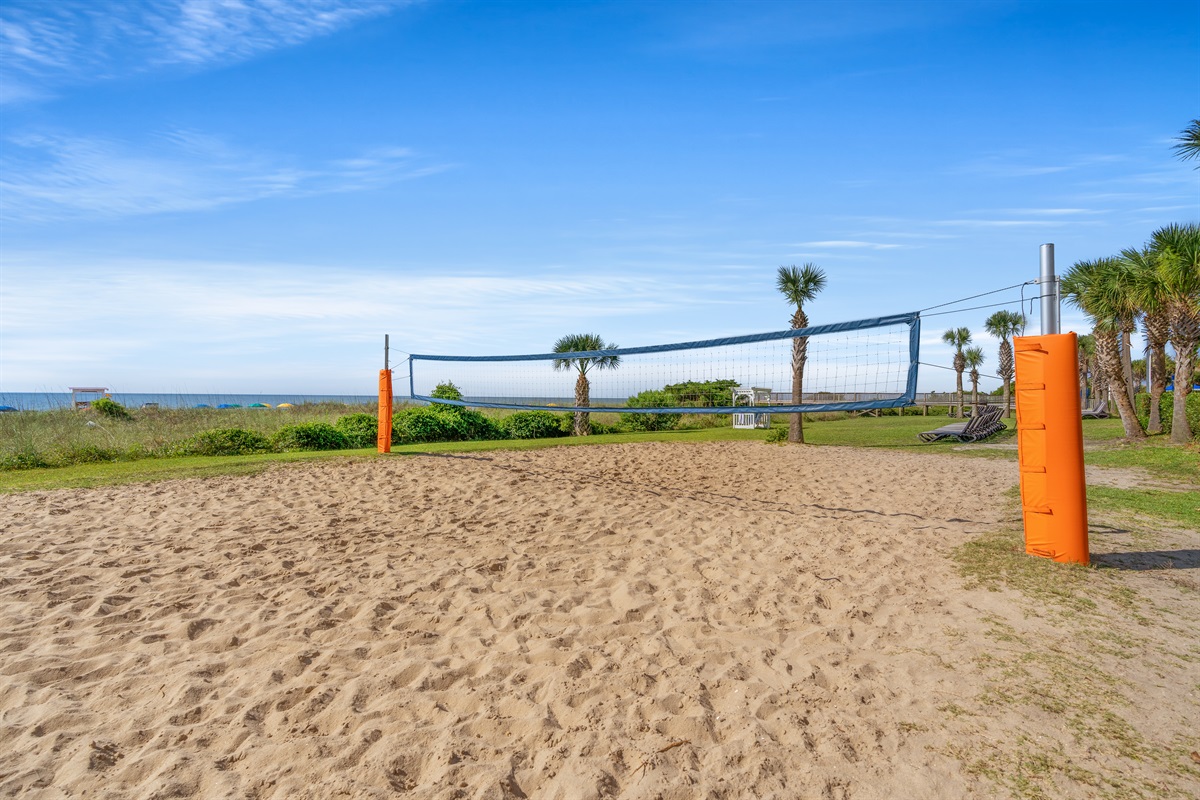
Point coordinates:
[[972, 297]]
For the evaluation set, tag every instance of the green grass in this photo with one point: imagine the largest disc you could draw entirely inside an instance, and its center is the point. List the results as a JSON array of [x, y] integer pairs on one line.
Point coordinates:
[[86, 476], [158, 469], [1175, 508], [1156, 455], [1104, 447]]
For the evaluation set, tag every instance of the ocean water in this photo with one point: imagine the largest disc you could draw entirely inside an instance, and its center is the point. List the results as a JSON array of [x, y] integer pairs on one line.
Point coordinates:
[[44, 401]]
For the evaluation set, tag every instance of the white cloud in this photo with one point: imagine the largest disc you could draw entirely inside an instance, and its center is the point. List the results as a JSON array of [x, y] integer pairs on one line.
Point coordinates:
[[52, 44], [850, 244], [160, 324], [55, 176]]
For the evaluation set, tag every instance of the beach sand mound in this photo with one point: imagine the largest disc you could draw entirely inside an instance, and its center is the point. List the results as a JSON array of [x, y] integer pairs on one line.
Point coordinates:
[[653, 620]]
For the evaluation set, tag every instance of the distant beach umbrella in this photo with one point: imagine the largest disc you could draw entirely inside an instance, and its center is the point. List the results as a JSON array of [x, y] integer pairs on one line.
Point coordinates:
[[259, 405], [228, 405], [6, 408], [285, 405]]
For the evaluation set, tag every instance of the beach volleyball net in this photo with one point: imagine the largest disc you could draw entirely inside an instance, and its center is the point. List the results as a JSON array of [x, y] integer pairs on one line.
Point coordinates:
[[848, 366]]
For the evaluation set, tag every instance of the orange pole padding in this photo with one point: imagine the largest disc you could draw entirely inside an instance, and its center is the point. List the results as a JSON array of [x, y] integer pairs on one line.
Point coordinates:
[[384, 439], [1050, 447]]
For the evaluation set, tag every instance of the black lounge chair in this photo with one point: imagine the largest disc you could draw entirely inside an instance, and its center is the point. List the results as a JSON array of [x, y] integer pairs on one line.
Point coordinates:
[[979, 427], [1099, 412]]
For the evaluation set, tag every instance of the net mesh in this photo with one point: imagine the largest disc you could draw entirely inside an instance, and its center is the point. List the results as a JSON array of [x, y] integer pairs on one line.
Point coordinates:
[[854, 365]]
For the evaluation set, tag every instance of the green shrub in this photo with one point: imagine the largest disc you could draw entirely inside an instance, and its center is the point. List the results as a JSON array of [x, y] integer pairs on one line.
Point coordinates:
[[566, 424], [309, 436], [701, 394], [438, 423], [705, 421], [777, 435], [1166, 408], [532, 425], [23, 459], [225, 442], [111, 409], [86, 454], [446, 391], [650, 422], [361, 430]]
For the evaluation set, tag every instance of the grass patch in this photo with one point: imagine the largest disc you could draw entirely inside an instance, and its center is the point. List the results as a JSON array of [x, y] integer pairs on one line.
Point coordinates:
[[112, 473], [1177, 508], [86, 476], [1156, 455], [997, 560]]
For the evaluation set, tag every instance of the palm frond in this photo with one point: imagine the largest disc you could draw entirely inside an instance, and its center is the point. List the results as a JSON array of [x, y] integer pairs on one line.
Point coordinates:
[[584, 343], [1187, 144], [800, 284]]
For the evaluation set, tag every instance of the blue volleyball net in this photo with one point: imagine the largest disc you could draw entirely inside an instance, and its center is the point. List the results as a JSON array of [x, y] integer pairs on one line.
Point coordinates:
[[848, 366]]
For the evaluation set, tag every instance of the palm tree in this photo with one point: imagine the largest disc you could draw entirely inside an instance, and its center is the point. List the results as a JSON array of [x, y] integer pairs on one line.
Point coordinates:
[[1095, 287], [1087, 367], [583, 343], [1178, 269], [799, 286], [958, 338], [1187, 144], [973, 356], [1003, 325], [1150, 295]]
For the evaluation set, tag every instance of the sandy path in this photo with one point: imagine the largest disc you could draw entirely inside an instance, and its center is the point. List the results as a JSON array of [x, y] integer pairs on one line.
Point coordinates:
[[504, 625]]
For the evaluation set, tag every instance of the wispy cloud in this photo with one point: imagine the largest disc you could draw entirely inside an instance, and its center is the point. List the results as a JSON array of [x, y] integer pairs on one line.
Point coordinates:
[[241, 321], [841, 244], [1052, 212], [53, 176], [1003, 223], [52, 44], [1021, 164]]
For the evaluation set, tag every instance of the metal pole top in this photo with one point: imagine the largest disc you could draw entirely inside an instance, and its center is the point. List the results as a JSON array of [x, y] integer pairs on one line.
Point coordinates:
[[1048, 283]]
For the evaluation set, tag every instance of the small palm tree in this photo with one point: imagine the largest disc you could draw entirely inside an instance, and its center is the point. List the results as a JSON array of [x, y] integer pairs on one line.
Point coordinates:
[[799, 286], [958, 338], [1178, 269], [1004, 325], [1096, 287], [1187, 144], [1087, 367], [973, 356], [1149, 293], [583, 343]]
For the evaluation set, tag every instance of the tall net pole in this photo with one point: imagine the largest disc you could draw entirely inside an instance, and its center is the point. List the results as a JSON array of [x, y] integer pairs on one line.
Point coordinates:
[[383, 441]]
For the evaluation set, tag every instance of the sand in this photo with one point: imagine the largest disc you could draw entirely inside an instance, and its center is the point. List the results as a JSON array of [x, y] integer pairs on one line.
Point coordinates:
[[644, 621]]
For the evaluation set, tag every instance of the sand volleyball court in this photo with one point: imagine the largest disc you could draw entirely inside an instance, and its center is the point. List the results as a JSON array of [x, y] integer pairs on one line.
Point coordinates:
[[719, 620]]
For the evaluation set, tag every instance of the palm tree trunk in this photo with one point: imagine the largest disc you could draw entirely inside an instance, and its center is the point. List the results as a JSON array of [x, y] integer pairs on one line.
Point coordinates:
[[959, 391], [1108, 353], [1185, 336], [1157, 333], [583, 425], [974, 396], [1007, 367], [796, 421], [1127, 365], [1083, 379], [1185, 367]]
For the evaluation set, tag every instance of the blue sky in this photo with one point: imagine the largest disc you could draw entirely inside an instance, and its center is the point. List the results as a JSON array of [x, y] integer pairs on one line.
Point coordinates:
[[238, 196]]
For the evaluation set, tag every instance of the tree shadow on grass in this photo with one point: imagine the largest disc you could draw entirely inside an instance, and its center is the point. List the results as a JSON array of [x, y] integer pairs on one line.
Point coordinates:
[[1147, 560]]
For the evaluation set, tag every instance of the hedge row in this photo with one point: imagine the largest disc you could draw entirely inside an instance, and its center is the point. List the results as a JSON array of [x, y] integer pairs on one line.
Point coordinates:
[[1166, 409]]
